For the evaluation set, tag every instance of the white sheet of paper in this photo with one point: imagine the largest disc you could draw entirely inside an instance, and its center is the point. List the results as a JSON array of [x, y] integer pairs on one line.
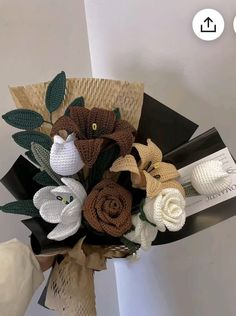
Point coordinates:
[[198, 203]]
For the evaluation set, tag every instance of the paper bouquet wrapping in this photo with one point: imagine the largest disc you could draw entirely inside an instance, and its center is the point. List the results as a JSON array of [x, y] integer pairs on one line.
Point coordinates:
[[96, 184]]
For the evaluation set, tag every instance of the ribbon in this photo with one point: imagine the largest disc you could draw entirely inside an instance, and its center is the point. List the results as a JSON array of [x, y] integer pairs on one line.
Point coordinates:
[[71, 284]]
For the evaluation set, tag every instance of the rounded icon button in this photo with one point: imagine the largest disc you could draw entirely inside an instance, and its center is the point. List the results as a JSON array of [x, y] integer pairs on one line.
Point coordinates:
[[208, 24]]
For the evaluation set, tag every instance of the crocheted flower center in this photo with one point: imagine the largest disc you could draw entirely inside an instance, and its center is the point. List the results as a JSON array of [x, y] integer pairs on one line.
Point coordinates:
[[65, 200]]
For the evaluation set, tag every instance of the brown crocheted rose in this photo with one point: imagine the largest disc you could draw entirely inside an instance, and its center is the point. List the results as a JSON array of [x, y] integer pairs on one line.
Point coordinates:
[[107, 208], [93, 130]]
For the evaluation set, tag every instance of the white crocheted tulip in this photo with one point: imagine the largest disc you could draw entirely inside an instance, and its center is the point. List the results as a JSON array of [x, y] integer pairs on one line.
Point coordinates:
[[144, 233], [166, 210], [209, 177], [65, 159], [61, 205]]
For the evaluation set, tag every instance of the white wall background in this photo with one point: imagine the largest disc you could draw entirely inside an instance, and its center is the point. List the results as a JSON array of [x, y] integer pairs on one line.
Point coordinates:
[[152, 41]]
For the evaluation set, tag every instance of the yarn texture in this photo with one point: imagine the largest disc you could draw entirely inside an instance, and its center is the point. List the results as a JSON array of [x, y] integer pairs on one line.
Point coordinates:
[[93, 129], [209, 177], [150, 174], [61, 205], [166, 210], [64, 156], [108, 208]]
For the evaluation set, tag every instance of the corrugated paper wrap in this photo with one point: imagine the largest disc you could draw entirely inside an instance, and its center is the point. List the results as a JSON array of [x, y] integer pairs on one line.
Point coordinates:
[[71, 285], [101, 93]]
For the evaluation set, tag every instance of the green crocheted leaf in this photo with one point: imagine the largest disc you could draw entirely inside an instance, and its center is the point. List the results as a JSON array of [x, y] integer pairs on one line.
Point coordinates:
[[23, 207], [117, 113], [42, 156], [133, 247], [31, 157], [55, 92], [44, 179], [77, 102], [23, 119], [24, 139]]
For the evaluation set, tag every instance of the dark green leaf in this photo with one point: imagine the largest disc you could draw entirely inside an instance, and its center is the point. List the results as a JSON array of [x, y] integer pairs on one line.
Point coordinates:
[[117, 113], [31, 157], [133, 247], [23, 207], [77, 102], [44, 179], [42, 156], [56, 92], [23, 119], [103, 163], [24, 139]]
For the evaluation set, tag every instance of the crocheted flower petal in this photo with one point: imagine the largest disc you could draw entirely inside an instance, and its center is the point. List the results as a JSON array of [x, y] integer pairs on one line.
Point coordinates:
[[80, 116], [72, 213], [42, 196], [166, 171], [127, 163], [153, 186], [173, 184], [124, 139], [77, 189], [51, 211], [64, 123], [150, 153], [89, 150], [104, 121], [63, 231]]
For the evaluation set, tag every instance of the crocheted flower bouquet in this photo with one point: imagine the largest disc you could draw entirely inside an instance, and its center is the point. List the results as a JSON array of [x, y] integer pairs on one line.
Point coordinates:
[[100, 193]]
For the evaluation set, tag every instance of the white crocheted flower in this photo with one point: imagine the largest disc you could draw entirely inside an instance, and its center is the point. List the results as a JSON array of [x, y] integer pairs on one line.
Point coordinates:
[[166, 210], [65, 159], [61, 205], [144, 232], [209, 177]]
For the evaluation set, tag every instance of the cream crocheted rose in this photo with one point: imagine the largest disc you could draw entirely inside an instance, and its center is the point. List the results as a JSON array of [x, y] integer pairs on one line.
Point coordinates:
[[166, 210]]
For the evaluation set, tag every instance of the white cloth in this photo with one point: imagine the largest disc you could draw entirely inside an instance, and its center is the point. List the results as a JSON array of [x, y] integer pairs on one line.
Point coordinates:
[[20, 276]]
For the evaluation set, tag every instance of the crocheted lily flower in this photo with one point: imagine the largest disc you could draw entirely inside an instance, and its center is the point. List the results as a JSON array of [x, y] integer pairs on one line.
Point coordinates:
[[150, 173], [65, 159], [61, 205], [166, 210], [93, 129]]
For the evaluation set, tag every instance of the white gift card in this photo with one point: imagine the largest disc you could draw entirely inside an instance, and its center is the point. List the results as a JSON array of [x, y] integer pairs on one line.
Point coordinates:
[[196, 204]]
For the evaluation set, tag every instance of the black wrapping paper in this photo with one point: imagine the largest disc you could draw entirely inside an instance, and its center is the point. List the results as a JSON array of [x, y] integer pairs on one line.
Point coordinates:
[[165, 127], [19, 179]]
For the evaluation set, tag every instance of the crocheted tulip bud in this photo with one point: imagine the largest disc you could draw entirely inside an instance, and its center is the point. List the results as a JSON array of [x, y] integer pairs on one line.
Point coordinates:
[[210, 178], [64, 156]]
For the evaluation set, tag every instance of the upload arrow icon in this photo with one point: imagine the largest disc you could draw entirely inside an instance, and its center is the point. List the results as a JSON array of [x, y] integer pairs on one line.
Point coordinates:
[[208, 24]]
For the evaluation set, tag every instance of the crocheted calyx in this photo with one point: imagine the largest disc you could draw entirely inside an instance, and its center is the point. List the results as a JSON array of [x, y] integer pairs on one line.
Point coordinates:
[[209, 177], [93, 129], [107, 208]]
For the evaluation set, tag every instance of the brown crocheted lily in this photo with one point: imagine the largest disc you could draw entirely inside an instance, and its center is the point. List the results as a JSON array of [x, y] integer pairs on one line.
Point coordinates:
[[150, 174], [93, 130]]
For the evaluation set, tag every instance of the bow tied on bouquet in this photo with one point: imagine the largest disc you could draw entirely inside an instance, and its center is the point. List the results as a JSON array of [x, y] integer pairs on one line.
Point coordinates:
[[100, 193]]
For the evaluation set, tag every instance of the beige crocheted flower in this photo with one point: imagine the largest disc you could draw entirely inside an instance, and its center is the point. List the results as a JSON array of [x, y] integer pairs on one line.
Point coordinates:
[[150, 173]]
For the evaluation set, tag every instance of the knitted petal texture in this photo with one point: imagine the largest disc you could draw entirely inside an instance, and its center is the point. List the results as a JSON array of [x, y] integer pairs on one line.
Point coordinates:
[[107, 208], [209, 177], [143, 233], [150, 173], [64, 156], [61, 205], [93, 130], [167, 210]]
